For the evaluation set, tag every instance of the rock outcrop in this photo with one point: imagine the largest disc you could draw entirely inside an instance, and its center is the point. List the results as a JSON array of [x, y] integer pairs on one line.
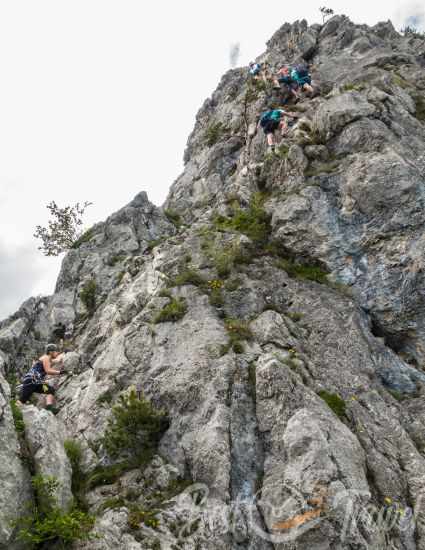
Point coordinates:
[[274, 308], [15, 494], [45, 437]]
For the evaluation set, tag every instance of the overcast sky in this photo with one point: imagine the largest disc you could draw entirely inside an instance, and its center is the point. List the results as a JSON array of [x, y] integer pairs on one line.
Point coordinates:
[[98, 98]]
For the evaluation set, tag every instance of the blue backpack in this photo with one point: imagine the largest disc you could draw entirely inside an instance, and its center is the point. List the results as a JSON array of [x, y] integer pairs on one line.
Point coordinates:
[[301, 70], [255, 69], [270, 115]]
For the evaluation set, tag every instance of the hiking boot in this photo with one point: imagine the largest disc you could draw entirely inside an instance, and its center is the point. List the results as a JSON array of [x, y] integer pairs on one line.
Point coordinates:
[[52, 409]]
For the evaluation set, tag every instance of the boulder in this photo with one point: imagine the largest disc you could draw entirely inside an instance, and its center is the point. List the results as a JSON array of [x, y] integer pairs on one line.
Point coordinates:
[[45, 436]]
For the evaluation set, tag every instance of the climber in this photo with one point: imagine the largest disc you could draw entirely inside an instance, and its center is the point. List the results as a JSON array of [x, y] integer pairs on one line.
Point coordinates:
[[302, 78], [254, 69], [283, 77], [33, 381], [271, 121], [259, 71]]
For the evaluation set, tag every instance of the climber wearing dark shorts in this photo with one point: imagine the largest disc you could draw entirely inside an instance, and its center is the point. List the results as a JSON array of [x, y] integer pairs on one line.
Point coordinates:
[[28, 389], [271, 126], [33, 381]]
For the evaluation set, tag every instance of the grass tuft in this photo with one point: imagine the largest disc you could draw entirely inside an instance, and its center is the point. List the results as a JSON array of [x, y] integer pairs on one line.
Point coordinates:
[[299, 271], [174, 311], [334, 402]]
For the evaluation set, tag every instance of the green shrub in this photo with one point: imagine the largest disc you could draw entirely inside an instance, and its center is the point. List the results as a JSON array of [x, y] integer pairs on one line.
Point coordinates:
[[115, 259], [253, 222], [105, 397], [18, 418], [214, 133], [400, 81], [12, 378], [238, 347], [223, 261], [237, 331], [420, 108], [216, 297], [156, 242], [397, 395], [137, 516], [134, 428], [173, 217], [282, 151], [334, 402], [225, 257], [85, 237], [189, 277], [299, 271], [48, 523], [78, 482], [112, 503], [174, 311], [107, 475], [165, 293], [315, 137], [88, 295]]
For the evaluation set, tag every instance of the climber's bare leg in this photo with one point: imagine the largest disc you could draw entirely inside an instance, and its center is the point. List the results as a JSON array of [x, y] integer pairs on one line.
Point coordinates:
[[50, 399]]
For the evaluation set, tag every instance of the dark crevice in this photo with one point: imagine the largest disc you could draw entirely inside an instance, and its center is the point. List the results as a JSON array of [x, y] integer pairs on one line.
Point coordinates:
[[396, 342]]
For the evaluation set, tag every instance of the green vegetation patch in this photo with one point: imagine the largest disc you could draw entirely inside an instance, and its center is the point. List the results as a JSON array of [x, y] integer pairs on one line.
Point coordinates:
[[400, 81], [300, 271], [49, 524], [156, 242], [88, 295], [79, 479], [134, 427], [173, 217], [189, 277], [18, 418], [174, 311], [115, 259], [397, 395], [334, 402], [253, 222], [420, 107], [238, 331], [85, 238], [107, 475], [214, 133]]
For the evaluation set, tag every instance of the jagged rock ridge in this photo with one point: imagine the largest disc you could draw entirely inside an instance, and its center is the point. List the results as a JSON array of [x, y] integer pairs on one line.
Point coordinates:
[[315, 413]]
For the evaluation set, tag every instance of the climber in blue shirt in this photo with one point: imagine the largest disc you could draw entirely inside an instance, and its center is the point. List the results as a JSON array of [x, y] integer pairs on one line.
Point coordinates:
[[34, 379]]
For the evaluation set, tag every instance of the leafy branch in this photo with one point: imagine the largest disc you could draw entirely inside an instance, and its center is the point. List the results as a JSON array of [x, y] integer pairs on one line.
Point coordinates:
[[63, 230]]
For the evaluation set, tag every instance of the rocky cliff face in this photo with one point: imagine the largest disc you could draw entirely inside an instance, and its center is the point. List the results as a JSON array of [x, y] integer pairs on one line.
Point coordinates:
[[274, 309]]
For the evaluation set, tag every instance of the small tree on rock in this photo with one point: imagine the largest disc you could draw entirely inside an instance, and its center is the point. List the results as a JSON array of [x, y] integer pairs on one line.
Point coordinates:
[[63, 230], [326, 12]]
